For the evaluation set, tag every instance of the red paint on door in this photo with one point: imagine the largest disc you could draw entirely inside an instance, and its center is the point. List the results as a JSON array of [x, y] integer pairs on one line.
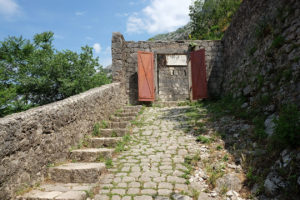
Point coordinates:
[[145, 76], [199, 83]]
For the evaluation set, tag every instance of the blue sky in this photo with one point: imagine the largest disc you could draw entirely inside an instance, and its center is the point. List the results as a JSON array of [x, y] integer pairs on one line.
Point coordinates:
[[76, 23]]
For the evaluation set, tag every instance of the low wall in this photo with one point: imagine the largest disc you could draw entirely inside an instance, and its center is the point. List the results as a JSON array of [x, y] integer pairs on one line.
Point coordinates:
[[31, 140], [124, 60]]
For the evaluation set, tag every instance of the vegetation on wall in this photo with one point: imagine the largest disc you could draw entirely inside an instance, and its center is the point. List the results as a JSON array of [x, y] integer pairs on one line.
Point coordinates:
[[34, 73], [211, 18]]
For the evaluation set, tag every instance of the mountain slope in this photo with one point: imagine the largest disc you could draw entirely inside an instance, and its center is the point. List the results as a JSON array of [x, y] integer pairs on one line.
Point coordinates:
[[180, 34]]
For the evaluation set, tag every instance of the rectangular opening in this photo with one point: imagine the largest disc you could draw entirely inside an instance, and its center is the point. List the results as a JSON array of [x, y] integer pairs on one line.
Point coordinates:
[[173, 82]]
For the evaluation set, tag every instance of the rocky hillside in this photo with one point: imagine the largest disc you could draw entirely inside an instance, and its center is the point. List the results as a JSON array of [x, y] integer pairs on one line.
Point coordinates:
[[180, 34]]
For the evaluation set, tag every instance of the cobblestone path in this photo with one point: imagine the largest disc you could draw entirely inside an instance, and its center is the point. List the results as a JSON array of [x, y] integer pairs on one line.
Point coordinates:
[[152, 167]]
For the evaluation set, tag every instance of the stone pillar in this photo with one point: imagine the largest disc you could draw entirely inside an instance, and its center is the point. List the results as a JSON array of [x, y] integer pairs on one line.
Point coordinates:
[[117, 50]]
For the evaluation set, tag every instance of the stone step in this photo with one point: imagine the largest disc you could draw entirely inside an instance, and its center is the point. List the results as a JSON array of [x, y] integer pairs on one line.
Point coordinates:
[[118, 124], [121, 119], [169, 103], [134, 107], [131, 108], [91, 155], [77, 172], [127, 114], [116, 132], [104, 142], [69, 191], [57, 195]]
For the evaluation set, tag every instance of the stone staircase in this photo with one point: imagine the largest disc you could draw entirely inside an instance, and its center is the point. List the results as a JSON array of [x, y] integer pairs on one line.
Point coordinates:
[[75, 180]]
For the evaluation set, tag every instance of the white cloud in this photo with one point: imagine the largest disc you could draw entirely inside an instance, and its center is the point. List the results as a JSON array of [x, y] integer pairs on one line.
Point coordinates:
[[135, 24], [160, 16], [107, 50], [97, 47], [79, 13], [9, 8]]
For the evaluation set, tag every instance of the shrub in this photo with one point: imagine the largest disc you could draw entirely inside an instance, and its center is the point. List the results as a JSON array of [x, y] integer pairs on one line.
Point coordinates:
[[287, 127], [278, 42]]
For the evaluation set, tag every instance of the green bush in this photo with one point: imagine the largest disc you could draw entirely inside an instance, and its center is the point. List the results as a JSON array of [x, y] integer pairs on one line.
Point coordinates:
[[287, 127], [33, 73], [211, 18]]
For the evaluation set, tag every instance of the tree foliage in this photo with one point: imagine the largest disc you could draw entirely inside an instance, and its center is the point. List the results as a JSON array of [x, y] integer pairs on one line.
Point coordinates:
[[211, 18], [34, 73]]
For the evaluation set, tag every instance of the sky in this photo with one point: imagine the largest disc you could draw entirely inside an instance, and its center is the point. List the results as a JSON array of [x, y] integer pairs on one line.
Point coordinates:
[[77, 23]]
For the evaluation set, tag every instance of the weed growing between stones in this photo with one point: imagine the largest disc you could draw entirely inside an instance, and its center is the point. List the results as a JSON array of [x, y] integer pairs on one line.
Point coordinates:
[[96, 129], [121, 145], [104, 124], [214, 172], [190, 163], [89, 193], [203, 139], [109, 163]]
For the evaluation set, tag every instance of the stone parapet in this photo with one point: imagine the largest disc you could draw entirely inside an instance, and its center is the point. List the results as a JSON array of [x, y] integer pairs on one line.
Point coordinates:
[[31, 141]]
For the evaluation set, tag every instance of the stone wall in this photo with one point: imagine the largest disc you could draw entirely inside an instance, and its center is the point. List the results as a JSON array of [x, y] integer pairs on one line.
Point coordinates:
[[261, 54], [124, 61], [173, 82], [31, 140], [262, 68]]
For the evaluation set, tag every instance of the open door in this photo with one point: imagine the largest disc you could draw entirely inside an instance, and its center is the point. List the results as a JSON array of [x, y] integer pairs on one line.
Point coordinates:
[[146, 76], [198, 68]]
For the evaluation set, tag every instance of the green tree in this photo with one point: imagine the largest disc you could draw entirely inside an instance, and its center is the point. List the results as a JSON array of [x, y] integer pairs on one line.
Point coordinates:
[[34, 73], [211, 18]]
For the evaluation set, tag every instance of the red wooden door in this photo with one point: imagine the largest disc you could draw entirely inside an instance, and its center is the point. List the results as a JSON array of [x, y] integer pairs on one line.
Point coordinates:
[[145, 76], [199, 84]]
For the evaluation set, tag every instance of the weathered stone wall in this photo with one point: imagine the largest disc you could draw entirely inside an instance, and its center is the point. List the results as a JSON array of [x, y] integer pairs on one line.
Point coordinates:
[[261, 54], [124, 60], [31, 140], [262, 67], [173, 82]]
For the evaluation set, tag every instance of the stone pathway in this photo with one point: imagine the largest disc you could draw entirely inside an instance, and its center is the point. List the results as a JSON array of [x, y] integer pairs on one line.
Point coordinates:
[[79, 175], [160, 162], [153, 167]]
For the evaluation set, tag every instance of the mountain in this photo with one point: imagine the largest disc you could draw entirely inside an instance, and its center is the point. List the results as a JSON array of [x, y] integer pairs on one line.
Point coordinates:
[[180, 34]]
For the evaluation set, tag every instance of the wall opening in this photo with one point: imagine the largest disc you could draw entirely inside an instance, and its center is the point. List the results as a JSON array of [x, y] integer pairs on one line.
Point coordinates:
[[173, 81]]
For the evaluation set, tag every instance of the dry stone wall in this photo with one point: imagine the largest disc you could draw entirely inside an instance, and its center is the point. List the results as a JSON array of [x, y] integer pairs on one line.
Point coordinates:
[[262, 68], [124, 60], [32, 140], [262, 54]]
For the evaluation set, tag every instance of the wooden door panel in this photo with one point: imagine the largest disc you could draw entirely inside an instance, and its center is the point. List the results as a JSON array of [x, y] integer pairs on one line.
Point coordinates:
[[146, 76], [199, 83]]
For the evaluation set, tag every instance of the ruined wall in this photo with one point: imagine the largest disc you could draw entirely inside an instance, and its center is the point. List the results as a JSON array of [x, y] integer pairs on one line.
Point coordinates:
[[31, 140], [124, 60], [261, 54]]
